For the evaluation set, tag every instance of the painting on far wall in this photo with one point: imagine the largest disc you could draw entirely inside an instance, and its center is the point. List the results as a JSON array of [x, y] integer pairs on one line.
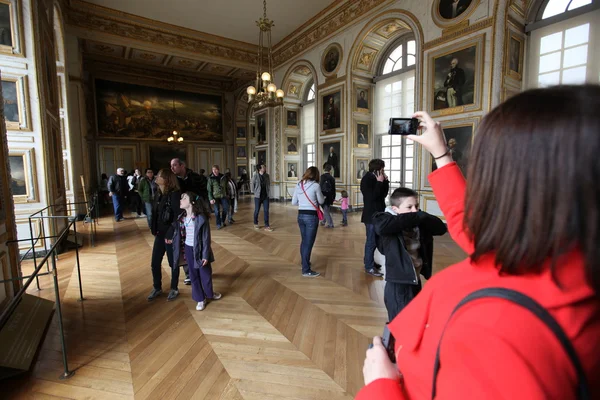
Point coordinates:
[[459, 139], [261, 157], [161, 156], [6, 31], [132, 111], [11, 104], [242, 170], [292, 171], [332, 156], [261, 127], [292, 145], [241, 152], [362, 135], [450, 9], [331, 59], [292, 118], [241, 132], [18, 180], [515, 57], [331, 106], [361, 167], [454, 78]]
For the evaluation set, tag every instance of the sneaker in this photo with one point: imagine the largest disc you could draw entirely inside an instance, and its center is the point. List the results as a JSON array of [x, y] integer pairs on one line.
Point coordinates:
[[219, 227], [140, 216], [310, 274], [200, 306], [173, 294], [322, 223], [268, 229], [374, 272], [256, 227], [216, 296], [154, 294], [329, 226], [187, 281]]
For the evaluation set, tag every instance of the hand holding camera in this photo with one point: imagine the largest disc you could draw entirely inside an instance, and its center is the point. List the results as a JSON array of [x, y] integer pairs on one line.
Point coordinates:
[[432, 139]]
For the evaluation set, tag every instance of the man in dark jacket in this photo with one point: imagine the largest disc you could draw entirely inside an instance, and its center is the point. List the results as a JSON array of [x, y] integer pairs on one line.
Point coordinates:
[[405, 237], [327, 183], [217, 195], [189, 181], [118, 188], [374, 187]]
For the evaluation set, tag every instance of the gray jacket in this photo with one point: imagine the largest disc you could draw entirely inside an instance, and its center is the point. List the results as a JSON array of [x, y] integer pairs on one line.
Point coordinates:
[[256, 185], [313, 191]]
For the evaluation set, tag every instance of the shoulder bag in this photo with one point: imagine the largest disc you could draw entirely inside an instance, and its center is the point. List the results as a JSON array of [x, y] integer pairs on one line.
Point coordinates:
[[318, 209], [166, 215]]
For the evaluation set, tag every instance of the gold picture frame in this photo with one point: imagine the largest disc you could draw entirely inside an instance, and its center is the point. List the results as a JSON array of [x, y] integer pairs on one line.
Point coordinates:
[[362, 103], [23, 184], [262, 127], [291, 145], [514, 50], [241, 132], [509, 91], [291, 118], [9, 17], [442, 11], [241, 152], [333, 112], [469, 55], [338, 165], [360, 138], [360, 167], [331, 60], [16, 112], [291, 170]]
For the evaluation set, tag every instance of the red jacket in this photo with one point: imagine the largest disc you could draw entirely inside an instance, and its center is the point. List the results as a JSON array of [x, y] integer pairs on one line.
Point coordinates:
[[492, 349]]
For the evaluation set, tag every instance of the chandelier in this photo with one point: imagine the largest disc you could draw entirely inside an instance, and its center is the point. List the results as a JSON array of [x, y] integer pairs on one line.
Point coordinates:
[[175, 137], [265, 93]]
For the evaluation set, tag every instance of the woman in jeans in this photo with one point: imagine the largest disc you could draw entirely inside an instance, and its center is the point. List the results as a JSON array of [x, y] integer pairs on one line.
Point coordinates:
[[165, 211], [307, 197]]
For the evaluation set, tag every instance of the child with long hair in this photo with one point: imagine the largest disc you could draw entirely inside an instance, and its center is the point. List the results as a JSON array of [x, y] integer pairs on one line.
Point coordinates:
[[191, 236]]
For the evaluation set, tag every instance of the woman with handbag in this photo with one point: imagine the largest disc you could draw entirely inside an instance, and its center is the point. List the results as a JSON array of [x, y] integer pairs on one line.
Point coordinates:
[[307, 197], [164, 212]]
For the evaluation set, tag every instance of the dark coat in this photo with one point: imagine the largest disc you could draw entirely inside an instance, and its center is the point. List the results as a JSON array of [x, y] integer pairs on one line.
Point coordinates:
[[374, 194], [158, 206], [193, 182], [399, 266], [202, 248], [118, 185], [329, 197]]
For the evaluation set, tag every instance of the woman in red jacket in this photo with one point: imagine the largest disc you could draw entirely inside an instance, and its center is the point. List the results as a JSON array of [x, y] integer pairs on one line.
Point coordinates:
[[529, 218]]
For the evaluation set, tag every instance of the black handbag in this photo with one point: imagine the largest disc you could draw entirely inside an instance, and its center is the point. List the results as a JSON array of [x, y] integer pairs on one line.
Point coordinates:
[[583, 390], [166, 216]]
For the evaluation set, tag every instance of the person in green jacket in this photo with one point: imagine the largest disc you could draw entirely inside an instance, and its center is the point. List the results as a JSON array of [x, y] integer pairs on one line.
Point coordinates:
[[146, 189], [217, 195]]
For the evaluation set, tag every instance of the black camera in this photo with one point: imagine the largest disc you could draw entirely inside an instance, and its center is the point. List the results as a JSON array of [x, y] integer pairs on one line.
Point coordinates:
[[403, 126]]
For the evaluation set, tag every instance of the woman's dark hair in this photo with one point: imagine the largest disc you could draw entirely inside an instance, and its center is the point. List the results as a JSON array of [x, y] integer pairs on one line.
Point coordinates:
[[376, 164], [199, 206], [171, 182], [311, 174], [533, 189]]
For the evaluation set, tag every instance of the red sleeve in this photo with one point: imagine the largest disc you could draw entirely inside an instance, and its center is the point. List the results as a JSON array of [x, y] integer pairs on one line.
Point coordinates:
[[510, 354], [381, 389], [450, 187]]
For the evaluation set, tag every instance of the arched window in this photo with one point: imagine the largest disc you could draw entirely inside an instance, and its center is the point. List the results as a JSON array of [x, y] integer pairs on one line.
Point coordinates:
[[311, 93], [562, 43], [395, 98]]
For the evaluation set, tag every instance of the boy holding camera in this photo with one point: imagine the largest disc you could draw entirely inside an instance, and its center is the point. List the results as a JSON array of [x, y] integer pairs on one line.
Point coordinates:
[[405, 237]]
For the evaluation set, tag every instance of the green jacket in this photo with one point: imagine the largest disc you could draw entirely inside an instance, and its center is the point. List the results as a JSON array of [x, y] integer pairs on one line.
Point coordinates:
[[145, 190], [217, 187]]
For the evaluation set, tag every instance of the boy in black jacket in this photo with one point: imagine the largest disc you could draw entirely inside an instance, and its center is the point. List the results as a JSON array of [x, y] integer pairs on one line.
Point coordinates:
[[405, 237]]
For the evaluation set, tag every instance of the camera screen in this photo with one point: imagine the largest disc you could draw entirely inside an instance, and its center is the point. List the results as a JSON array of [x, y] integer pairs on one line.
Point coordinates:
[[403, 126]]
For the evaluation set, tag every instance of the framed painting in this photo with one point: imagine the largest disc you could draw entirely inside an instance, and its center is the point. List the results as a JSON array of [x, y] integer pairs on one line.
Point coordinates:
[[161, 156], [361, 167], [22, 179], [291, 144], [7, 27], [331, 59], [331, 153], [139, 112], [261, 127], [291, 168], [240, 151], [261, 157], [242, 169], [362, 134], [457, 78], [515, 50], [15, 103], [447, 13], [241, 132], [292, 118], [332, 108], [362, 98]]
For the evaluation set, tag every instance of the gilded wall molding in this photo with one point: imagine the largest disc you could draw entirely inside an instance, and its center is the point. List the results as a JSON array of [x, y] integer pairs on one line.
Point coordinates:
[[486, 23], [337, 20]]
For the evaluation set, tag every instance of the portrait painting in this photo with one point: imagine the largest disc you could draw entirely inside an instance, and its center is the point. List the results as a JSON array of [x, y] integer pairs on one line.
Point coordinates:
[[161, 156], [515, 55], [459, 139], [242, 171], [332, 155], [362, 99], [241, 132], [451, 9], [331, 59], [132, 111], [292, 145], [241, 151], [361, 167], [292, 171], [18, 179], [261, 157], [454, 78], [292, 118], [11, 104], [261, 127], [331, 106], [6, 36], [362, 135]]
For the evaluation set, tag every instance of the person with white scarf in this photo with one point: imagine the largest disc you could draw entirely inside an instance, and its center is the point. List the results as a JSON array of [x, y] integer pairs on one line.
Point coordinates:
[[232, 195]]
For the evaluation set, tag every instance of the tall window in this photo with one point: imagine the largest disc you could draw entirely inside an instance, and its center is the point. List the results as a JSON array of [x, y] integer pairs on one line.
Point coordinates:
[[311, 93], [308, 127], [563, 42], [395, 98]]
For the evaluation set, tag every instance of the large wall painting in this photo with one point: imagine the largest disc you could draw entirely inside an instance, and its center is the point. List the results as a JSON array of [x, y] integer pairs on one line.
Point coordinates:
[[133, 111]]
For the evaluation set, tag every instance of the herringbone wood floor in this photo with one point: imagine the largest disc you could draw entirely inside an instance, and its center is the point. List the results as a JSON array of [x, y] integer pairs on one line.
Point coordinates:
[[273, 335]]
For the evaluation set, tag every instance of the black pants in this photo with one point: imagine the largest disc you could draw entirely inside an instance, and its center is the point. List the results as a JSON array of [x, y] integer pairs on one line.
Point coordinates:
[[158, 252], [135, 203], [396, 296]]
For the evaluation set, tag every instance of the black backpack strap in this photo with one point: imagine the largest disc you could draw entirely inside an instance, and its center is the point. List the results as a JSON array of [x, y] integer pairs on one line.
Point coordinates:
[[583, 392]]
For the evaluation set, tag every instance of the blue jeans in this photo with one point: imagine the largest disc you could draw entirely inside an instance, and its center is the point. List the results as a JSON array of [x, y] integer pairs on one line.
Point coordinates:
[[118, 206], [309, 225], [265, 204], [344, 216], [223, 204], [327, 214], [148, 207], [370, 246]]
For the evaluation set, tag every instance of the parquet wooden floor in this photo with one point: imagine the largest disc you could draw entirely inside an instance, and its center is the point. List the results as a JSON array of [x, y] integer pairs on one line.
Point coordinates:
[[273, 335]]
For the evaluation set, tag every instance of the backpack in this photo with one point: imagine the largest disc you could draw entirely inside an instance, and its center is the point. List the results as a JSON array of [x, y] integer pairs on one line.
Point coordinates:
[[327, 188]]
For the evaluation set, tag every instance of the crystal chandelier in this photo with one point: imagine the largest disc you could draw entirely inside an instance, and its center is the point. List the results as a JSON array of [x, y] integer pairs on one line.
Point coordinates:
[[175, 137], [265, 93]]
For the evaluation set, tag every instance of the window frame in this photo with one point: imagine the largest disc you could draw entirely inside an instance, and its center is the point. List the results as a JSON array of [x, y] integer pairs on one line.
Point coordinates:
[[538, 22], [309, 85], [401, 41]]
